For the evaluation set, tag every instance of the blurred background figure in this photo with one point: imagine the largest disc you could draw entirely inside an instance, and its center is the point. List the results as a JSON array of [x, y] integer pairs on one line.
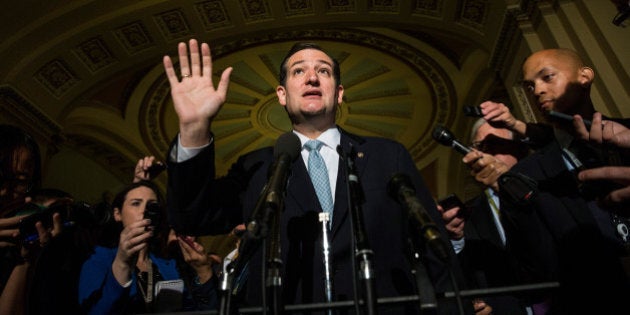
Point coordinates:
[[20, 173], [20, 168]]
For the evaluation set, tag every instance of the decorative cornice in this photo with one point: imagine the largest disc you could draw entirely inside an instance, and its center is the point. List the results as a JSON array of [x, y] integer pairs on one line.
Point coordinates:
[[25, 113], [442, 94]]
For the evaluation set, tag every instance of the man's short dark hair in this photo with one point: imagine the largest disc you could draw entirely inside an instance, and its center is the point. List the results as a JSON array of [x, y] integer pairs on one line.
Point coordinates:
[[301, 46]]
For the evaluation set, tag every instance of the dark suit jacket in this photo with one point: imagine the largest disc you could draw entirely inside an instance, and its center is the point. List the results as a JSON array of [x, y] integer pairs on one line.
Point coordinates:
[[561, 236], [486, 262], [200, 205]]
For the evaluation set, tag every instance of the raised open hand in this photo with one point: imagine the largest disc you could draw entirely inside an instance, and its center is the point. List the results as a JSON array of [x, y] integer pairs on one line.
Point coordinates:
[[195, 97]]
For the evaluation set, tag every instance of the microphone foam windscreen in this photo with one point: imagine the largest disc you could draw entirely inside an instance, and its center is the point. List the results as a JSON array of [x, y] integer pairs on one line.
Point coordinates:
[[288, 143], [396, 182], [442, 135]]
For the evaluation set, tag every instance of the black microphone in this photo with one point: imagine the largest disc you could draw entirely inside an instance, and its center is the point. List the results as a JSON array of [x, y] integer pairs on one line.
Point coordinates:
[[401, 189], [622, 15], [566, 117], [445, 137], [518, 188], [287, 149]]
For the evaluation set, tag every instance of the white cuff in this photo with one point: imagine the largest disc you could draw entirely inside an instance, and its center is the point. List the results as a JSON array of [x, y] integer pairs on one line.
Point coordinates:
[[127, 284], [180, 153], [458, 245]]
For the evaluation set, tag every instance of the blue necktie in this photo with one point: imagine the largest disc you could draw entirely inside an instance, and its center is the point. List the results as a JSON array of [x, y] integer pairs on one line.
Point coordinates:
[[319, 176]]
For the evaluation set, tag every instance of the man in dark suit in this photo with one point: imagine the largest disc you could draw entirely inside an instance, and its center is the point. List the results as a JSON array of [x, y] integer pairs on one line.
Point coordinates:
[[476, 232], [310, 90], [559, 233]]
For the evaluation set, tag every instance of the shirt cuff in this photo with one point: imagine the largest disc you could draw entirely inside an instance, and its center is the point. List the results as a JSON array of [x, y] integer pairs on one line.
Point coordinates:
[[458, 245], [127, 284], [180, 153]]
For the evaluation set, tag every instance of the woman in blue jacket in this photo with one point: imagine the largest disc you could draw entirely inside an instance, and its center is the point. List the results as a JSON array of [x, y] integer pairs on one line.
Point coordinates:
[[144, 274]]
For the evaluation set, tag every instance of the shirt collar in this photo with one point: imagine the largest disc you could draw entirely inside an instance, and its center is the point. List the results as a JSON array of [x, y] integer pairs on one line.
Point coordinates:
[[331, 138]]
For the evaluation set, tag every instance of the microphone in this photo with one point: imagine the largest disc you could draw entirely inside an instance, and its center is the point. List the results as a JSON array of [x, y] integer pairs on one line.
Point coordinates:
[[287, 149], [566, 117], [622, 15], [401, 189], [445, 137], [518, 188]]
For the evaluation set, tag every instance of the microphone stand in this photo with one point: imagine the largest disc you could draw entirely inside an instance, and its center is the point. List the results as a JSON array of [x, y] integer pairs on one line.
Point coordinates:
[[256, 230], [225, 290], [324, 218], [363, 253], [273, 258], [426, 293]]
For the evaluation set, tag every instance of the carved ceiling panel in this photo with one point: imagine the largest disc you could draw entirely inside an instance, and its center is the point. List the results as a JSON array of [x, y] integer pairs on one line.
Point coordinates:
[[391, 90], [91, 73]]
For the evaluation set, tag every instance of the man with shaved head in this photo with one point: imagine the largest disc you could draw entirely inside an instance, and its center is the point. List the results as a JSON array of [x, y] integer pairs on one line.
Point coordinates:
[[559, 233]]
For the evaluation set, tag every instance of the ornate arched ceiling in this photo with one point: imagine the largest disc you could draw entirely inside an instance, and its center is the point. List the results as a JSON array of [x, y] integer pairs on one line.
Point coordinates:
[[87, 74]]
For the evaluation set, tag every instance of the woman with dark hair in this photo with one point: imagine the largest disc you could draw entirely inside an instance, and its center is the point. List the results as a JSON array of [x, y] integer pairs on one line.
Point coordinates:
[[141, 275], [20, 172], [20, 168]]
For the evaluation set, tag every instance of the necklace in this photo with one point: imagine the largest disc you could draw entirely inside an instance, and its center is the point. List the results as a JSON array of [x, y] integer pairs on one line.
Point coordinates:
[[148, 296]]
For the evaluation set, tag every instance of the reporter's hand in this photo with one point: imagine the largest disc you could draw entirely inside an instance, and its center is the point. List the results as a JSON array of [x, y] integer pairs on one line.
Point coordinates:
[[195, 255], [31, 250], [133, 239], [497, 115], [485, 168], [453, 223], [618, 199], [143, 168], [47, 234], [611, 132], [9, 230], [481, 308]]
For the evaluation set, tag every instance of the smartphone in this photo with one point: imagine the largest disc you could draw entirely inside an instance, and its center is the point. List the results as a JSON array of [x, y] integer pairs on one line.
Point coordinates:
[[452, 201], [153, 211], [189, 240], [473, 111], [155, 169]]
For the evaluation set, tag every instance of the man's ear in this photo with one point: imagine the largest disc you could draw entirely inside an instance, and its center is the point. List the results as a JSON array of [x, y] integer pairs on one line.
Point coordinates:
[[282, 95], [339, 94], [117, 215], [586, 76]]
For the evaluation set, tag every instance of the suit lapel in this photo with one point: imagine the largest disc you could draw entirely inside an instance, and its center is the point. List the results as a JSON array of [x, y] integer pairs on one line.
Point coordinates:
[[487, 228], [340, 214], [301, 190]]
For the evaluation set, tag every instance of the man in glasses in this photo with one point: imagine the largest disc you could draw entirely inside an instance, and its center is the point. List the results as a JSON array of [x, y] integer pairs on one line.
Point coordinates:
[[476, 232]]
